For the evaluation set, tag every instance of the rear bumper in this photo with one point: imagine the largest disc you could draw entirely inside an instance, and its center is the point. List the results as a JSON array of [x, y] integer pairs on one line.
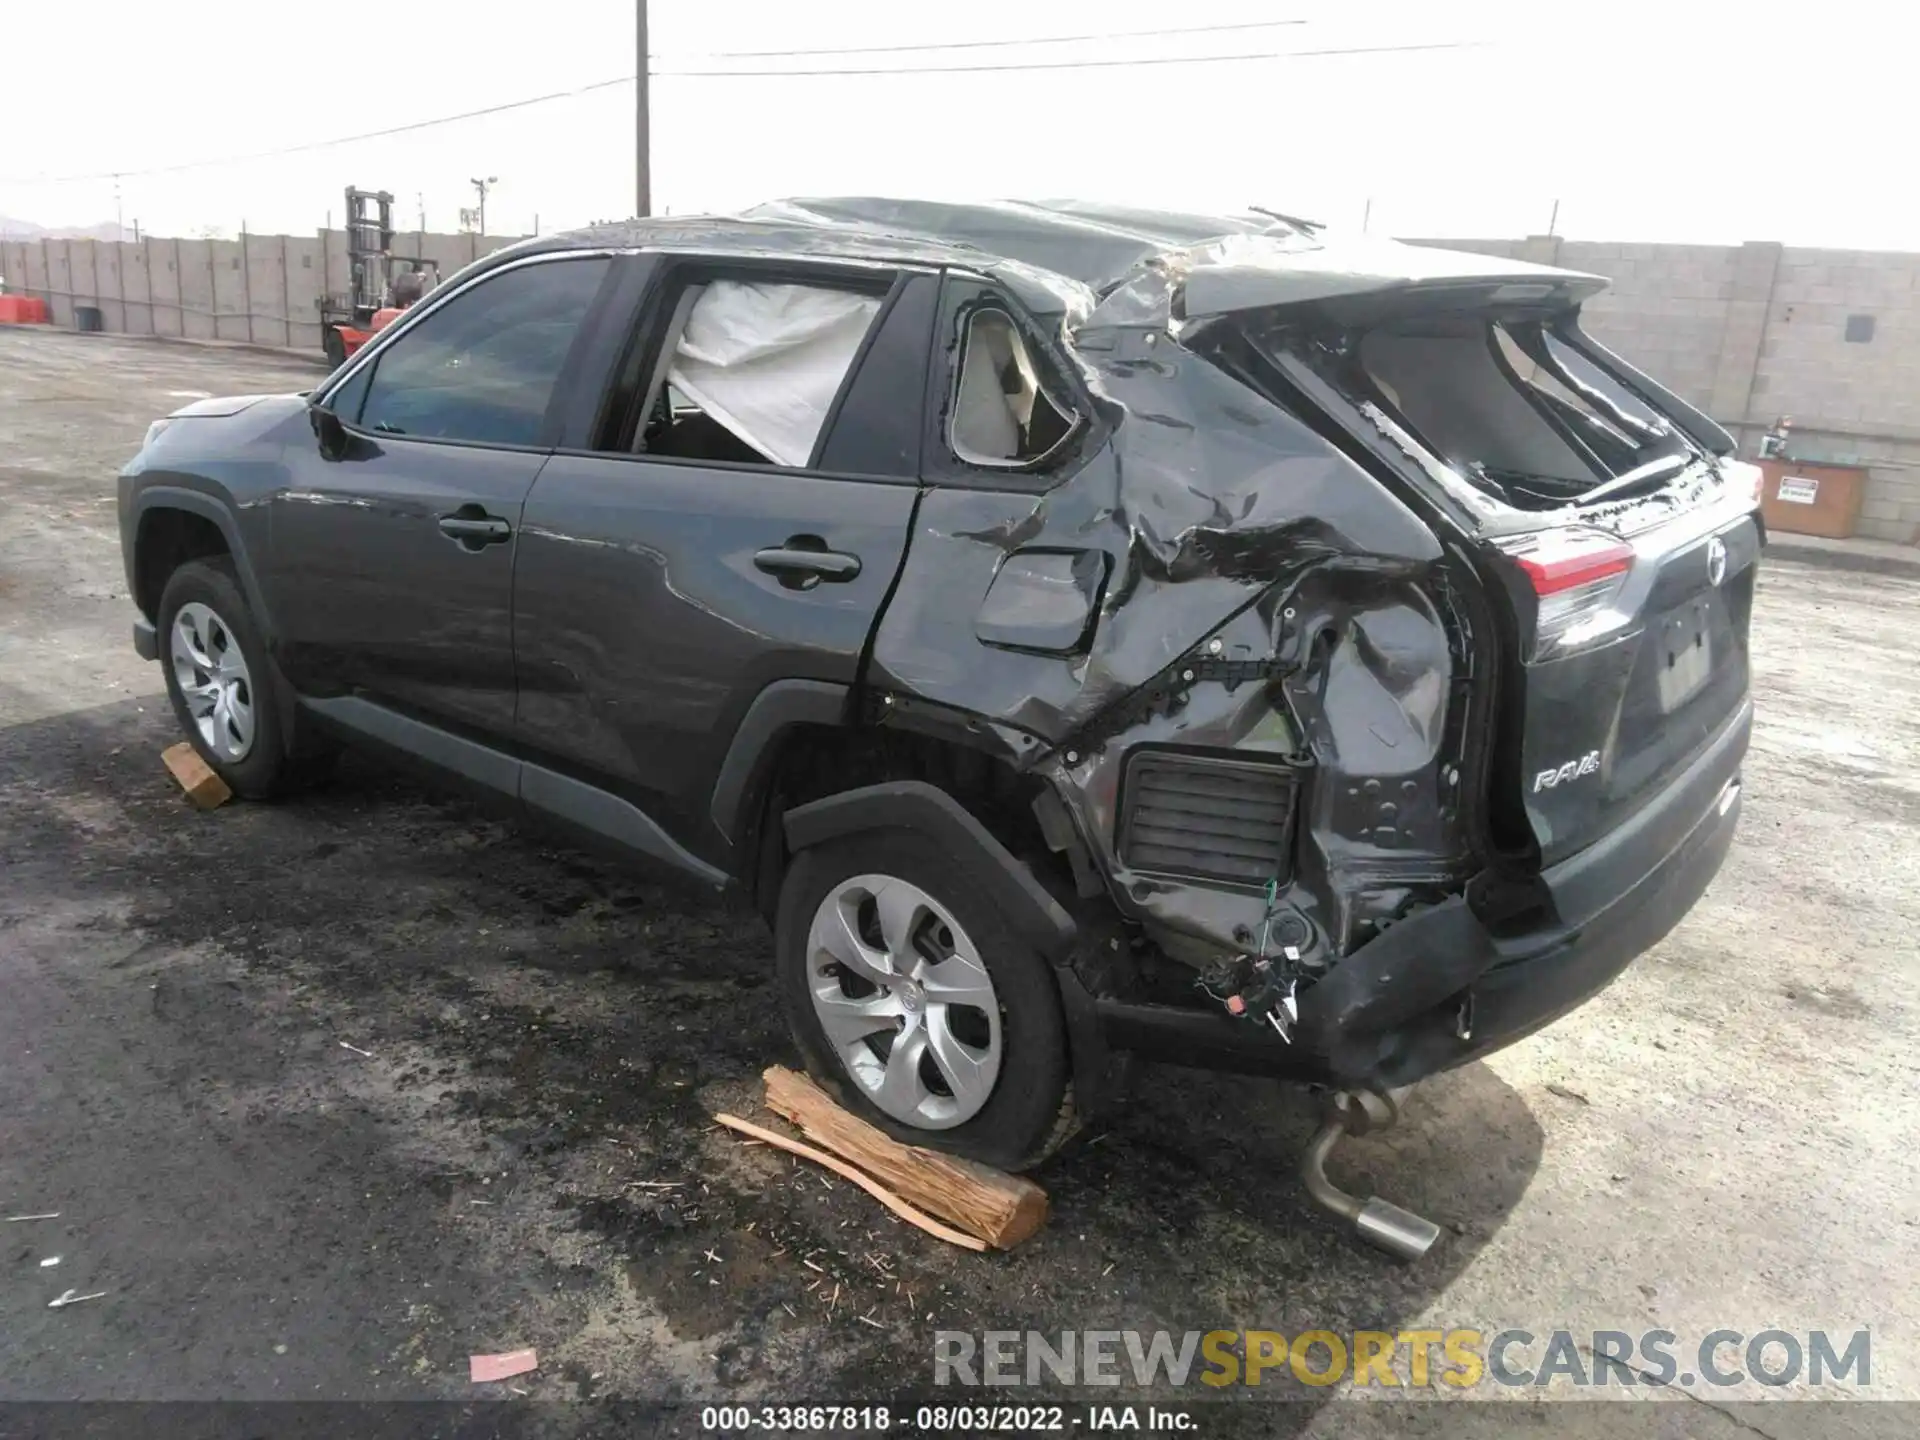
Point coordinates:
[[1438, 990]]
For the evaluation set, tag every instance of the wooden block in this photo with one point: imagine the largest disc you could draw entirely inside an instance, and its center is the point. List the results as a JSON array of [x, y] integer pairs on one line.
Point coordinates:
[[1001, 1209], [859, 1177], [203, 787]]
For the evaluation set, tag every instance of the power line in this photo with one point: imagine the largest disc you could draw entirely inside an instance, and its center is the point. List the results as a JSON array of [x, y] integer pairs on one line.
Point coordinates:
[[989, 44], [628, 80], [325, 144], [1076, 64], [309, 146]]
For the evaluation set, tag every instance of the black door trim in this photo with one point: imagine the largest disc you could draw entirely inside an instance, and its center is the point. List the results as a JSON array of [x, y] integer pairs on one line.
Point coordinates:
[[561, 797], [469, 759], [592, 809]]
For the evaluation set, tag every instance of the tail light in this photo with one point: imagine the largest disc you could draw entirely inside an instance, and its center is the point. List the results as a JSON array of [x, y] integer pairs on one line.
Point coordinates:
[[1577, 576], [1745, 480]]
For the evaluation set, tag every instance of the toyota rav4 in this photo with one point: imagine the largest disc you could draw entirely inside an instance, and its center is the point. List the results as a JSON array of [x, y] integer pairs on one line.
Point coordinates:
[[1081, 631]]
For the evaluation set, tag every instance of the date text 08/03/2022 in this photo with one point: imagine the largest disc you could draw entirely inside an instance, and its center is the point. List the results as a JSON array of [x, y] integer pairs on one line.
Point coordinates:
[[944, 1419]]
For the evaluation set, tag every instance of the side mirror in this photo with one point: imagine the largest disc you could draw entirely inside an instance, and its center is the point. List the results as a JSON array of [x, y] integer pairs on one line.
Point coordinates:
[[328, 430]]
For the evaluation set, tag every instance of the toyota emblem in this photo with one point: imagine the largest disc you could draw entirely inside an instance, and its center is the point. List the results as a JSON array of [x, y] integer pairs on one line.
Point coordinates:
[[1716, 560]]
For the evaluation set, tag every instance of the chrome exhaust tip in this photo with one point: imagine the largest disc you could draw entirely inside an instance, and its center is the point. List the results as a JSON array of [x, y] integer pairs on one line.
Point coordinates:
[[1381, 1223], [1400, 1233]]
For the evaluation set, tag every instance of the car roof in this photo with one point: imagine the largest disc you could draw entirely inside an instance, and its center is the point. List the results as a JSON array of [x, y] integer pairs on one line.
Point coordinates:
[[1062, 255], [783, 230]]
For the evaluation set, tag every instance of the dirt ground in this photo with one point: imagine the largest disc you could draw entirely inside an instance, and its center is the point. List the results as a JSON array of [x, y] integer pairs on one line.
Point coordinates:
[[331, 1094]]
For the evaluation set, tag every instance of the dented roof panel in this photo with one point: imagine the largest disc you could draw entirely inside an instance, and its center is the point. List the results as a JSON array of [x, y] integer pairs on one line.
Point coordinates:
[[1094, 244], [1060, 255]]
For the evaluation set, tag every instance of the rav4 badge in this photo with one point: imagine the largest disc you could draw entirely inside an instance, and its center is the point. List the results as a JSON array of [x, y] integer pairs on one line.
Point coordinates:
[[1587, 764]]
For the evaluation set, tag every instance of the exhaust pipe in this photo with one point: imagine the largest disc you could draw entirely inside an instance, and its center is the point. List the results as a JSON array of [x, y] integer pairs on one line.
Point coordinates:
[[1380, 1223]]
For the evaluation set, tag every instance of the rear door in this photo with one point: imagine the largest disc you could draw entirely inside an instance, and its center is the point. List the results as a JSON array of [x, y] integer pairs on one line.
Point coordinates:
[[734, 515], [391, 564]]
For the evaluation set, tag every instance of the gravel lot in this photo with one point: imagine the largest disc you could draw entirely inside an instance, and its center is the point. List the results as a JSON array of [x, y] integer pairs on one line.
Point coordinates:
[[1727, 1138]]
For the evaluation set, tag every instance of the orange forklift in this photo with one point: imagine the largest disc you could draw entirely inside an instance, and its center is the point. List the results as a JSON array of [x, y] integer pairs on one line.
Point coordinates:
[[382, 283]]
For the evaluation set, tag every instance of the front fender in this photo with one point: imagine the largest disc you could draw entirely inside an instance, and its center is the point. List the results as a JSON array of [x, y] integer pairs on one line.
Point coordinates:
[[142, 504]]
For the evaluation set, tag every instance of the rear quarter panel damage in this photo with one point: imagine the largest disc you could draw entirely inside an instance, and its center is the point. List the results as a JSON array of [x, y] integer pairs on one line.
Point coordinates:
[[1222, 517]]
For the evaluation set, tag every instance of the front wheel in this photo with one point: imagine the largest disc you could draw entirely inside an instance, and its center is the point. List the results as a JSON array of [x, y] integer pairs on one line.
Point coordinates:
[[915, 1004], [335, 347], [221, 682]]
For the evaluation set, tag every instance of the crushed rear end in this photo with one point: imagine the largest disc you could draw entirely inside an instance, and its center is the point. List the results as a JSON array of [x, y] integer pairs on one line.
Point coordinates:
[[1456, 794]]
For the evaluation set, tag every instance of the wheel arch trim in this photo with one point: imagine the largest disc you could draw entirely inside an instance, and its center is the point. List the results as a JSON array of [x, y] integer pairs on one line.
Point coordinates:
[[917, 806], [195, 502], [738, 789]]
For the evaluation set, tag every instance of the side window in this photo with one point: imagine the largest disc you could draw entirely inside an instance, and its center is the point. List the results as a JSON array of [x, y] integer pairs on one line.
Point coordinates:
[[747, 371], [483, 366], [1004, 413], [350, 397]]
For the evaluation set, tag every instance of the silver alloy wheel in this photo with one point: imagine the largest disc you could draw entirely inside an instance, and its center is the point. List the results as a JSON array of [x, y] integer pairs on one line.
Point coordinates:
[[213, 680], [905, 1001]]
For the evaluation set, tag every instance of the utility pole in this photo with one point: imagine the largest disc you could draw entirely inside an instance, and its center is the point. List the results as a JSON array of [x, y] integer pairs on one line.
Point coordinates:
[[642, 119], [480, 188]]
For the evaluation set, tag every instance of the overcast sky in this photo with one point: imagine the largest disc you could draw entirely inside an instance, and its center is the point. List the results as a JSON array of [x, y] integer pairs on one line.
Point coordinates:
[[1673, 121]]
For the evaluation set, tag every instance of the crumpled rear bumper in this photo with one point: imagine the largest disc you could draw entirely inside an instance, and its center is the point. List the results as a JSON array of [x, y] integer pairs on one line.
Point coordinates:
[[1393, 1012]]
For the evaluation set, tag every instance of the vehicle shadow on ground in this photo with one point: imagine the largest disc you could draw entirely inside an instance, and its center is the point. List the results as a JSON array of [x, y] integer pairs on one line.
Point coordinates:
[[577, 1024]]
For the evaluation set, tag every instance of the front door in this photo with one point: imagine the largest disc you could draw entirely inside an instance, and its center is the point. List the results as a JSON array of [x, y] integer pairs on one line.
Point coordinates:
[[390, 568], [743, 524]]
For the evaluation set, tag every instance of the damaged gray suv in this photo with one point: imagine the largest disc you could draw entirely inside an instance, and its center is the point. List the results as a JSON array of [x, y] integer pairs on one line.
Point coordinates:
[[1081, 631]]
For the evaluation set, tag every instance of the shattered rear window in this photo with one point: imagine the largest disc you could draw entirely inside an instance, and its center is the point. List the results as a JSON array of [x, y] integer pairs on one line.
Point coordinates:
[[1500, 401]]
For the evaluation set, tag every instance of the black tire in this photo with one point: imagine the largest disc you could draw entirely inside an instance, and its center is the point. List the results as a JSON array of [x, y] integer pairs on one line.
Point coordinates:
[[1029, 1112], [334, 347], [267, 769]]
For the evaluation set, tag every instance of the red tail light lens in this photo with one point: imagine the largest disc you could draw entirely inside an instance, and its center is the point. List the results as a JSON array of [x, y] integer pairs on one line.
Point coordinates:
[[1567, 559], [1577, 575], [1745, 480]]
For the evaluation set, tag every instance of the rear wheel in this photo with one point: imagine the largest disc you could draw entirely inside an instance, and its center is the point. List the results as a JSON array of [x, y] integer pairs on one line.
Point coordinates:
[[916, 1005]]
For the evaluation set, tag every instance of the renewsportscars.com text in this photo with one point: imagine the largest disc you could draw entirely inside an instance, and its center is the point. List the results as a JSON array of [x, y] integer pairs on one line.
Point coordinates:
[[1416, 1359]]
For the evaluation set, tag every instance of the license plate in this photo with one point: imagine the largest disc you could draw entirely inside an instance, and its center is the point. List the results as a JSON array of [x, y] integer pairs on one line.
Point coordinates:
[[1684, 668]]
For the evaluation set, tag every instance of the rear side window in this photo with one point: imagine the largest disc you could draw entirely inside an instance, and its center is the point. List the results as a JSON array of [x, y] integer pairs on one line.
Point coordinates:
[[1004, 415], [482, 367]]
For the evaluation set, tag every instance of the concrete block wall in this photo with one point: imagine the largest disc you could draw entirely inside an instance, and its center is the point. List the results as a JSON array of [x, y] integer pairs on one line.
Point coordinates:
[[1665, 309], [1755, 331], [258, 289], [1747, 332]]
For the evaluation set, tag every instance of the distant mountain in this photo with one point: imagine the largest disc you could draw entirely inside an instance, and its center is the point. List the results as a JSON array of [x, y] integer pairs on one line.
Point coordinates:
[[27, 230]]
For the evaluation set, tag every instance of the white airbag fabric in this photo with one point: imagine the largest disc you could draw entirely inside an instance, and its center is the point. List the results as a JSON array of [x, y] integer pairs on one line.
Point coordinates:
[[766, 360]]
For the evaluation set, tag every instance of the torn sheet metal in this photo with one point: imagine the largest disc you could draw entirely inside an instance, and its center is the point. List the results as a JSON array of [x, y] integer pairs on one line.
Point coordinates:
[[1201, 495], [1361, 695], [1238, 546]]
